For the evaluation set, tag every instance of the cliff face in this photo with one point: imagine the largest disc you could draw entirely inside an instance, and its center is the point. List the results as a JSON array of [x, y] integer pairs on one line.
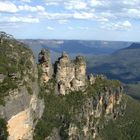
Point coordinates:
[[20, 105], [63, 103], [89, 102]]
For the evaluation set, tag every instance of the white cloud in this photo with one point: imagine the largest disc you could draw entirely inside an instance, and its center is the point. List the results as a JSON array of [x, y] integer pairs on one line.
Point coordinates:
[[83, 15], [63, 18], [55, 16], [108, 14], [8, 25], [52, 3], [134, 13], [83, 28], [50, 28], [28, 1], [14, 20], [129, 13], [24, 19], [75, 5], [102, 19], [64, 21], [125, 25], [99, 3], [31, 8], [6, 6], [131, 2]]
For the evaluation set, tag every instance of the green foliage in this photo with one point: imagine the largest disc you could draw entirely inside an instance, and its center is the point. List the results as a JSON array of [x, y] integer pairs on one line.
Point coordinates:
[[133, 90], [14, 60], [6, 86], [101, 85], [60, 110], [3, 129], [57, 110], [123, 65], [126, 127], [30, 91]]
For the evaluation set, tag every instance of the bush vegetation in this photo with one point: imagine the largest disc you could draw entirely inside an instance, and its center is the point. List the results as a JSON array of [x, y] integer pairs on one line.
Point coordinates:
[[60, 110], [3, 129], [126, 127], [14, 64]]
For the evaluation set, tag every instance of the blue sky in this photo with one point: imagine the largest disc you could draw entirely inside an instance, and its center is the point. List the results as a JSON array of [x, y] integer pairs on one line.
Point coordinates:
[[71, 19]]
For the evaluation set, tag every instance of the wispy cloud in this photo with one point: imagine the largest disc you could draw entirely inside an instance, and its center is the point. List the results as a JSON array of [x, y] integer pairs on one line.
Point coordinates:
[[7, 6], [64, 21], [50, 28], [83, 28], [121, 26], [17, 19], [70, 28], [28, 1], [24, 19], [75, 5], [37, 8], [116, 15]]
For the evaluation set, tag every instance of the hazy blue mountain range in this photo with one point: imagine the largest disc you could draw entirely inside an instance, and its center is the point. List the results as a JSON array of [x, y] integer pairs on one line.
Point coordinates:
[[34, 95], [123, 64], [74, 47], [116, 60]]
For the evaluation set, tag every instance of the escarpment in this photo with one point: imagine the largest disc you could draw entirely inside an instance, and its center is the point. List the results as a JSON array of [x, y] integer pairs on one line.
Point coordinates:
[[77, 106], [20, 106], [53, 101], [60, 101]]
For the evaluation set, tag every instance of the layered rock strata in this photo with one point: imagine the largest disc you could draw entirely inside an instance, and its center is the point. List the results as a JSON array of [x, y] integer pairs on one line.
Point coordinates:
[[70, 75]]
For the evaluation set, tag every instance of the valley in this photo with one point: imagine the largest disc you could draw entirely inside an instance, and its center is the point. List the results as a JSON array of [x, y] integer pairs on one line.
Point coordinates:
[[116, 60], [60, 100]]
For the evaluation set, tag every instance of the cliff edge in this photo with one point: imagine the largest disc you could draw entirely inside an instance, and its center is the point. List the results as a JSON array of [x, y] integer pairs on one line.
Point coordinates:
[[77, 105]]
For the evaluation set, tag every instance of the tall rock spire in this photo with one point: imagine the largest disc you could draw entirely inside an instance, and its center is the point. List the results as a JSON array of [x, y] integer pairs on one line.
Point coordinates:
[[65, 72], [44, 60], [80, 71], [70, 75]]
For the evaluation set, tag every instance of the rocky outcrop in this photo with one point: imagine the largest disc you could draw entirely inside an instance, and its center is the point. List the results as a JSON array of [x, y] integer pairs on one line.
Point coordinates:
[[70, 75], [98, 100], [46, 65], [65, 73], [23, 109], [102, 102], [2, 77], [91, 79], [79, 82], [89, 101], [20, 105]]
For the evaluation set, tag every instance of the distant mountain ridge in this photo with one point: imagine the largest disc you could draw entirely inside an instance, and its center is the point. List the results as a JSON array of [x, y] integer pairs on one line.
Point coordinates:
[[73, 47], [122, 64], [134, 46], [33, 105]]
